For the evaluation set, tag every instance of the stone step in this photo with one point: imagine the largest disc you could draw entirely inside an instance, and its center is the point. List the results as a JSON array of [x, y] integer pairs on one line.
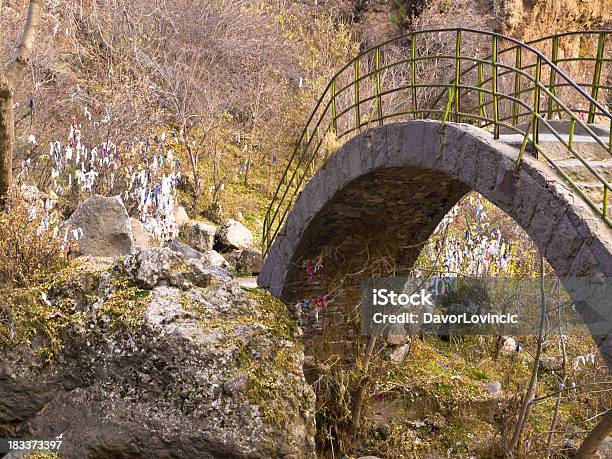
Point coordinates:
[[583, 143], [577, 171], [587, 148], [562, 127], [595, 192], [590, 151]]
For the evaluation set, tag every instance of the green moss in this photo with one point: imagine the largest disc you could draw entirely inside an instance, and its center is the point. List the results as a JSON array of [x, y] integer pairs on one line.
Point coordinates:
[[267, 386], [56, 301], [268, 375], [474, 373], [460, 434], [269, 312], [275, 313], [29, 313], [127, 303]]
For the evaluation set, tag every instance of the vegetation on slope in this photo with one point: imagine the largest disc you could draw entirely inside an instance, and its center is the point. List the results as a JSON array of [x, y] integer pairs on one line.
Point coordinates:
[[234, 86]]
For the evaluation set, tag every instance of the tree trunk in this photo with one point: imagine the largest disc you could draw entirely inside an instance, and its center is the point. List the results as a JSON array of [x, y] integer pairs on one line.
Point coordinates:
[[8, 79], [525, 409], [7, 136], [593, 440], [358, 405]]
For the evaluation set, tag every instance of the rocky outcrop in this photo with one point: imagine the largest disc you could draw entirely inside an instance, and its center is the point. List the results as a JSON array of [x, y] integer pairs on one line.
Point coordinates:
[[210, 257], [107, 230], [158, 356], [199, 235], [162, 266], [234, 235], [246, 261], [185, 249], [214, 258], [528, 20]]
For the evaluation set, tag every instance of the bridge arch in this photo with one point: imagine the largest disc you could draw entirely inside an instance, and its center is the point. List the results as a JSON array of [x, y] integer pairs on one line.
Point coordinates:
[[387, 189]]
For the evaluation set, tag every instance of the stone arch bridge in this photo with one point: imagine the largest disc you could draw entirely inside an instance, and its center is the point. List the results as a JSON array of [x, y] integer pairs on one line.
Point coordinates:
[[512, 125]]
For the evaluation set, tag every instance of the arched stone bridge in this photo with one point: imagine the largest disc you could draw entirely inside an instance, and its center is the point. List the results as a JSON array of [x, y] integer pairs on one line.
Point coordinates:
[[388, 189], [384, 192]]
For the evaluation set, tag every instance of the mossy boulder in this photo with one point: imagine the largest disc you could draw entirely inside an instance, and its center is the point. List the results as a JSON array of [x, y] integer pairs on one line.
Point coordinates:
[[151, 366]]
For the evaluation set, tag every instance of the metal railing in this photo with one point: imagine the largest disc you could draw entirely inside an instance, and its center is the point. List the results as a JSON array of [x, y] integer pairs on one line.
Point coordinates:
[[497, 83]]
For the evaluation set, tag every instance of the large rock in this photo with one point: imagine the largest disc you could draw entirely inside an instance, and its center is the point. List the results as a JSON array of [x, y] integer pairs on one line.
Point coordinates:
[[199, 235], [397, 335], [162, 266], [246, 261], [210, 258], [180, 216], [214, 258], [141, 238], [107, 230], [399, 354], [148, 369], [234, 235], [186, 250]]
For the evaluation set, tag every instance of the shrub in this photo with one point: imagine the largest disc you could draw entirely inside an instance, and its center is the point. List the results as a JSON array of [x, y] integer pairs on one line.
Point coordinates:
[[30, 239]]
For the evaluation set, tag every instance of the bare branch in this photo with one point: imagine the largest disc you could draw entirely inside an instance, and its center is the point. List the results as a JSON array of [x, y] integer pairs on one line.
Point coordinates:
[[16, 68]]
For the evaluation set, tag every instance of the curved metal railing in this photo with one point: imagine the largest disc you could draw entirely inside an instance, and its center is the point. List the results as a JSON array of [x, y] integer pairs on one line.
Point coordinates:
[[497, 83]]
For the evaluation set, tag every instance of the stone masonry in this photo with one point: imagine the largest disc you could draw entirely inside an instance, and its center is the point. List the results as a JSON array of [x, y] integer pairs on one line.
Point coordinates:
[[385, 191]]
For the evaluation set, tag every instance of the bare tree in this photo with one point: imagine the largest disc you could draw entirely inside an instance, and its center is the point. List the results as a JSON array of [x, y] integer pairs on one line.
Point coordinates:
[[360, 397], [8, 77], [527, 402]]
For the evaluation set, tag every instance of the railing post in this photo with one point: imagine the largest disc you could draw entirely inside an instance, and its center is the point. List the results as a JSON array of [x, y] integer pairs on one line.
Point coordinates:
[[264, 238], [457, 76], [378, 87], [495, 97], [605, 196], [310, 165], [536, 103], [357, 99], [518, 63], [413, 82], [522, 150], [481, 108], [552, 84], [597, 75], [572, 127], [451, 96], [333, 106], [266, 235]]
